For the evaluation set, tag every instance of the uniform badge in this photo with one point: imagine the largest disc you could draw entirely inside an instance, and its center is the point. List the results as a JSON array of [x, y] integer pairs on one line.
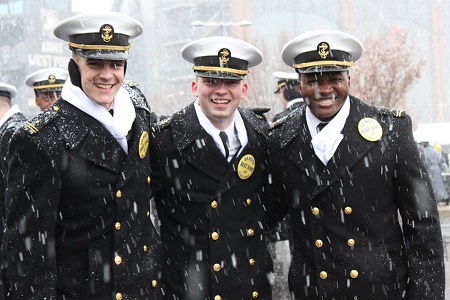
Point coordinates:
[[106, 32], [143, 144], [246, 166], [370, 129]]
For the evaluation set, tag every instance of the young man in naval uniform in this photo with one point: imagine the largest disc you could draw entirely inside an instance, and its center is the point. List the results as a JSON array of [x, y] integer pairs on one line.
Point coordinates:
[[363, 213], [287, 88], [78, 219], [47, 85], [210, 158], [10, 119]]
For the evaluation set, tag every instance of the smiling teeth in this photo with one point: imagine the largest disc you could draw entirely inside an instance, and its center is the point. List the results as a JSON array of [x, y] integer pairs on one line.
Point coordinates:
[[327, 100], [218, 101], [104, 86]]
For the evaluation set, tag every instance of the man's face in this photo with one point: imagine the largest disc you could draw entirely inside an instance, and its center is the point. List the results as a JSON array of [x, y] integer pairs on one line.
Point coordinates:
[[219, 98], [45, 99], [325, 93], [101, 79]]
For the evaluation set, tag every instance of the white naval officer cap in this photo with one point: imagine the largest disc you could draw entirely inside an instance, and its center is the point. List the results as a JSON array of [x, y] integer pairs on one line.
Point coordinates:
[[221, 57], [7, 90], [47, 80], [288, 79], [103, 36], [322, 50]]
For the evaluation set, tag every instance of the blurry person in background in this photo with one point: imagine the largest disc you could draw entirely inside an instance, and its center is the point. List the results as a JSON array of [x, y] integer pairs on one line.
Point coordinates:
[[10, 119], [364, 217], [444, 154], [208, 161], [287, 88], [78, 198], [47, 85], [433, 162]]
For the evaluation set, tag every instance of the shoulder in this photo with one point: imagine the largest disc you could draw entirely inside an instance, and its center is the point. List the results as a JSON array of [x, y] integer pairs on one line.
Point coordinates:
[[40, 121], [136, 95], [254, 114]]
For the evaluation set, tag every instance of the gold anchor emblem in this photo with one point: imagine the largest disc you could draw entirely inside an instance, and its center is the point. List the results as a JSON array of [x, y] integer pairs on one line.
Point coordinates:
[[322, 49], [52, 79], [224, 55], [107, 33]]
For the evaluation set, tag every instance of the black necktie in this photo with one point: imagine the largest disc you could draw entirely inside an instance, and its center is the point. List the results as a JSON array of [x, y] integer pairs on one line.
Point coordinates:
[[111, 111], [321, 126], [224, 138]]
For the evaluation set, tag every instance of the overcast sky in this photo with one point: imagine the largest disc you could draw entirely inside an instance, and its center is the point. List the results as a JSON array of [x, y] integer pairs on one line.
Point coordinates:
[[90, 6]]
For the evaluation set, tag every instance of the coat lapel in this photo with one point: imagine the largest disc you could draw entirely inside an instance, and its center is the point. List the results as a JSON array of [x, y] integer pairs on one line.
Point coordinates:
[[296, 139], [196, 146], [81, 130], [351, 150]]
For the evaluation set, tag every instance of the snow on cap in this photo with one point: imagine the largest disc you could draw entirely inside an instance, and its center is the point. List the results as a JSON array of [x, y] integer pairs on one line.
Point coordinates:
[[102, 36], [322, 50], [221, 57]]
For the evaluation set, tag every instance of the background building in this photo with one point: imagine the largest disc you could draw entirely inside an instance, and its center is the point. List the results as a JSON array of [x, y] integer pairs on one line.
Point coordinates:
[[156, 64]]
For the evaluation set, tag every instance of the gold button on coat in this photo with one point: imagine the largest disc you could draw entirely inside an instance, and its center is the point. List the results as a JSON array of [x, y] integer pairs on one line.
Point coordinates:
[[249, 202], [251, 262], [354, 274], [323, 275], [351, 242], [217, 297], [119, 296], [117, 226], [216, 267], [255, 295], [214, 204], [119, 194], [315, 211], [348, 210], [118, 260], [148, 213], [215, 236], [250, 232], [149, 180], [319, 243], [154, 283], [145, 248]]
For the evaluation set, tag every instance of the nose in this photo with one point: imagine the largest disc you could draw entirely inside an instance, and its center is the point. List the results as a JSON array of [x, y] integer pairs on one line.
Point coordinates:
[[107, 71], [324, 87]]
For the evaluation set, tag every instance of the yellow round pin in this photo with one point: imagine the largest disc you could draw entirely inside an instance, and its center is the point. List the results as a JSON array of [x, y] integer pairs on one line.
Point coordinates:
[[370, 129], [143, 145], [246, 166]]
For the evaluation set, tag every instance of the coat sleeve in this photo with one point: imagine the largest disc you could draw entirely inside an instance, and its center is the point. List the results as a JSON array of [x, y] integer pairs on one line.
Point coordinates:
[[420, 219], [31, 212]]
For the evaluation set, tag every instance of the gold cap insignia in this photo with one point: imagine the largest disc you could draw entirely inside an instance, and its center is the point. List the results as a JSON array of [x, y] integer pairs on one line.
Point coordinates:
[[370, 129], [322, 49], [224, 56], [143, 144], [246, 166], [107, 32], [52, 79]]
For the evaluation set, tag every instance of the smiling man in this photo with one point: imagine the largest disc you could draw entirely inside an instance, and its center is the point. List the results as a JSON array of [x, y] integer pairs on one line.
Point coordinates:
[[77, 204], [364, 218], [210, 158], [47, 85]]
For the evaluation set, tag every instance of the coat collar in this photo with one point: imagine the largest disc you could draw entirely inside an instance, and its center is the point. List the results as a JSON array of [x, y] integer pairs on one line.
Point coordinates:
[[296, 139], [197, 147]]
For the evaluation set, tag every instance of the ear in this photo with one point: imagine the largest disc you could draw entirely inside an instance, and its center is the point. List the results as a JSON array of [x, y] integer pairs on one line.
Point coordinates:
[[194, 88], [244, 90]]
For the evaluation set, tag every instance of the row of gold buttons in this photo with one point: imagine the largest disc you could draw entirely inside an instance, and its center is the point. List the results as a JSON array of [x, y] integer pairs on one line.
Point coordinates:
[[118, 226], [255, 295], [319, 243]]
